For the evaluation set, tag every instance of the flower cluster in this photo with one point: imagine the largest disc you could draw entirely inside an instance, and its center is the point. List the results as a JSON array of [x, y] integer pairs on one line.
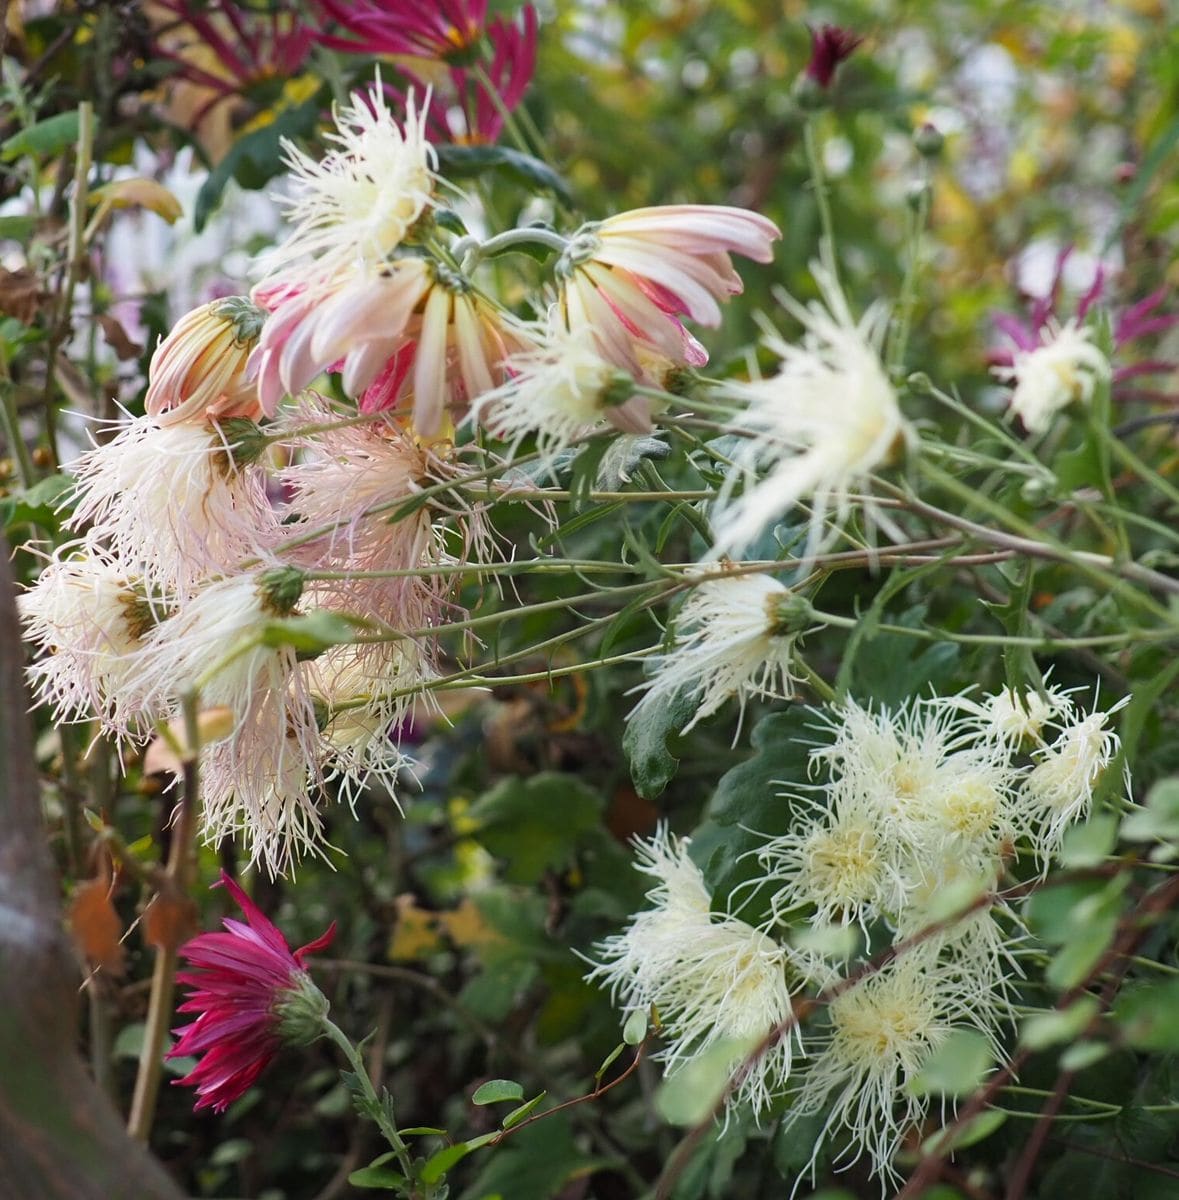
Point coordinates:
[[936, 799], [250, 547]]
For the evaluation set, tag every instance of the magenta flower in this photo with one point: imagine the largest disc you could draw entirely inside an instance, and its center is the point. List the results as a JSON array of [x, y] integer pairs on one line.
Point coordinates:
[[1142, 319], [446, 29], [251, 995], [227, 49], [830, 45]]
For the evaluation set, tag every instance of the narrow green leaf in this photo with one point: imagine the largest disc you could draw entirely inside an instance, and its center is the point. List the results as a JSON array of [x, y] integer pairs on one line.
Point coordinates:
[[635, 1029], [44, 139], [438, 1164], [523, 1112]]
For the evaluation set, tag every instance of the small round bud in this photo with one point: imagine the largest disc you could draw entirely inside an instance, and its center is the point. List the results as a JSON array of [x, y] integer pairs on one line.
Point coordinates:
[[42, 458], [929, 140], [281, 588], [1034, 491], [917, 194]]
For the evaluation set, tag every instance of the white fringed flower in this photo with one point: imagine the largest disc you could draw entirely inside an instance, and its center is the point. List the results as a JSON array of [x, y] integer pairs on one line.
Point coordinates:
[[710, 978], [818, 428], [354, 207], [1017, 719], [88, 619], [212, 643], [1064, 369], [839, 864], [561, 390], [174, 504], [734, 637], [262, 784], [883, 1030], [1059, 789]]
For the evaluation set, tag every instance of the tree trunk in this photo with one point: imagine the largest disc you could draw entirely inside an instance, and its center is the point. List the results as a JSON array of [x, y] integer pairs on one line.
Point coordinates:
[[60, 1139]]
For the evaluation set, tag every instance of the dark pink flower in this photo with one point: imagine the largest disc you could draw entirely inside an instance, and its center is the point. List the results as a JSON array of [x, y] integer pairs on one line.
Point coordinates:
[[444, 29], [251, 995], [470, 109], [830, 45], [230, 49]]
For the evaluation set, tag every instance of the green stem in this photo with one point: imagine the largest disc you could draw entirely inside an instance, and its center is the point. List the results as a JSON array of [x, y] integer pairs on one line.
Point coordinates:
[[12, 435], [380, 1109], [819, 186], [908, 296]]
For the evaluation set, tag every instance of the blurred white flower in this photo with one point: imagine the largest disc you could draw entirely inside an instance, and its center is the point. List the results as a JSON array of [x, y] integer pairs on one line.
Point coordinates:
[[818, 428], [1064, 369]]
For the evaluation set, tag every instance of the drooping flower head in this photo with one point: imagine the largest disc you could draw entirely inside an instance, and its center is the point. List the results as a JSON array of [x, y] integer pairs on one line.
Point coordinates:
[[175, 504], [88, 618], [630, 278], [734, 638], [560, 389], [251, 995], [710, 978], [199, 371], [830, 45]]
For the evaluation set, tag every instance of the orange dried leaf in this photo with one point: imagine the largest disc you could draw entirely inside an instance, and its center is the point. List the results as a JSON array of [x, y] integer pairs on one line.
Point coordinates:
[[95, 925], [139, 193], [168, 921]]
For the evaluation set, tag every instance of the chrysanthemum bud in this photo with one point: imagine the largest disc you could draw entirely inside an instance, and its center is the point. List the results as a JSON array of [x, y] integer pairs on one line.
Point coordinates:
[[281, 588], [199, 371], [301, 1009], [929, 140]]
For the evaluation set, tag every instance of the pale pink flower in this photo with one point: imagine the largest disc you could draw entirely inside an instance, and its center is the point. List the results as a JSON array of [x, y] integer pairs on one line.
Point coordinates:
[[175, 504], [199, 372], [87, 618], [631, 277]]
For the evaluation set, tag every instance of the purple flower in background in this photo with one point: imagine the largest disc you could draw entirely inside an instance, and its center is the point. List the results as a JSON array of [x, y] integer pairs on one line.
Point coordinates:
[[830, 45], [1036, 328]]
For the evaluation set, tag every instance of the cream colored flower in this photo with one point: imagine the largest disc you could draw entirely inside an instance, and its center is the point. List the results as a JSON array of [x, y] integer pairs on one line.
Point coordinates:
[[817, 429], [1064, 369]]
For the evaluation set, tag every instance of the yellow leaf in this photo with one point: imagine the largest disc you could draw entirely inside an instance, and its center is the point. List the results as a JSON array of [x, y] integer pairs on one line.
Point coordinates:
[[139, 193]]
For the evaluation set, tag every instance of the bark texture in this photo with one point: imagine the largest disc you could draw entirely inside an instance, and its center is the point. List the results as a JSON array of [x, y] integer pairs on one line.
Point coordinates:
[[60, 1138]]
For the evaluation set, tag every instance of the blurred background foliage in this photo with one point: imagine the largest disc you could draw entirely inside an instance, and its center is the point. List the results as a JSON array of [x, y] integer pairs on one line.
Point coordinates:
[[462, 915]]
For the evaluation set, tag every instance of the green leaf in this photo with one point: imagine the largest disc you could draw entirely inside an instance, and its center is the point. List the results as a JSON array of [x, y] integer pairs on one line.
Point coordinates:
[[1158, 819], [17, 227], [540, 1162], [635, 1029], [438, 1164], [494, 1091], [253, 160], [609, 1061], [523, 1112], [44, 139], [381, 1178], [1062, 1025], [949, 1140], [752, 801], [1148, 1016], [691, 1092], [535, 824], [42, 504], [422, 1131], [1089, 844], [472, 162], [1084, 1054], [652, 764], [956, 1067], [234, 1150], [312, 633]]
